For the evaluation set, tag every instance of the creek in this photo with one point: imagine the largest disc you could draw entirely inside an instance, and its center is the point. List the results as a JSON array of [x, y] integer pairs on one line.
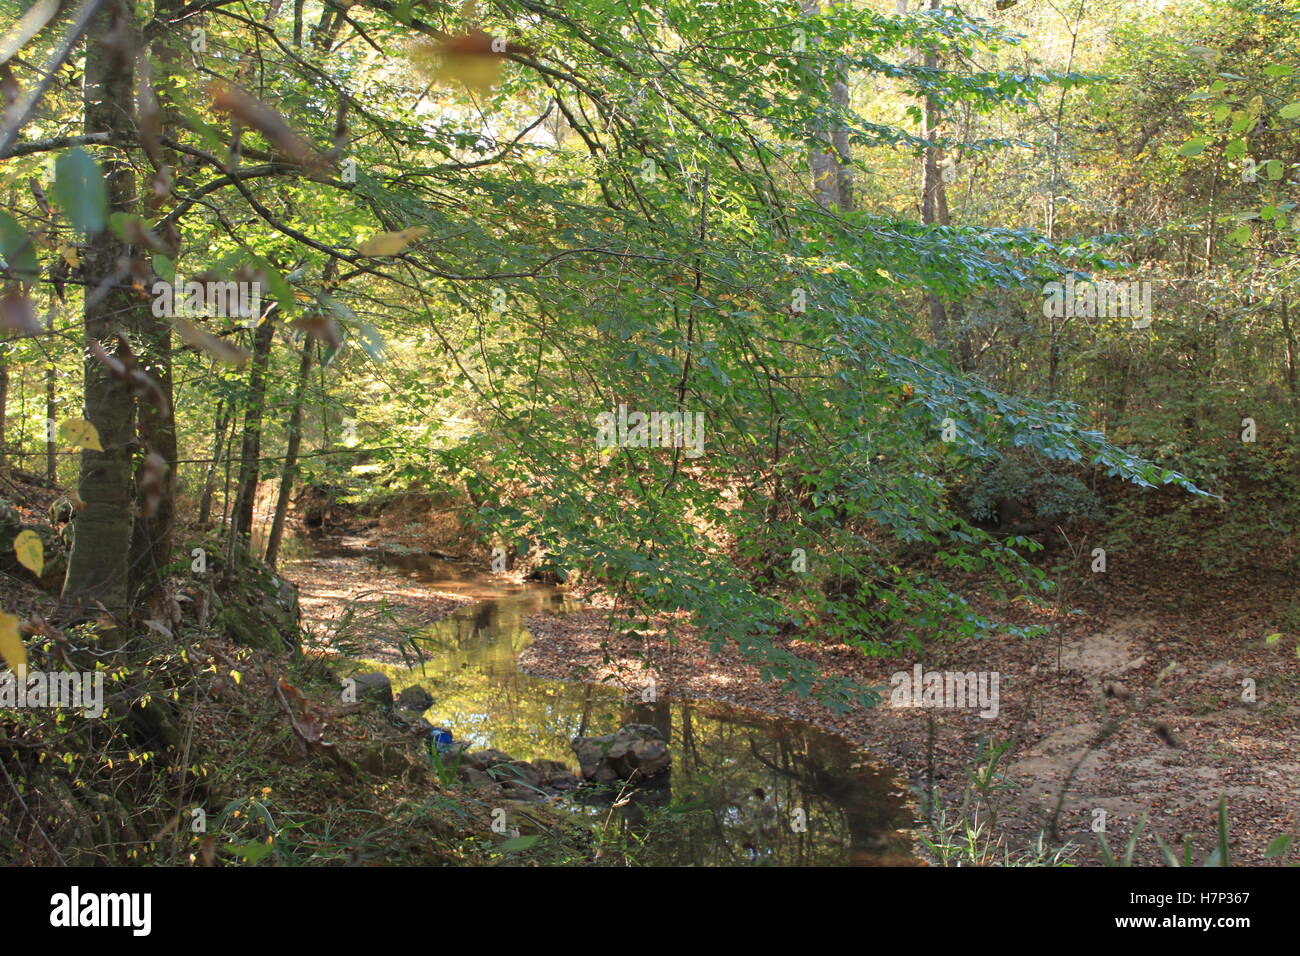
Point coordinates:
[[745, 788]]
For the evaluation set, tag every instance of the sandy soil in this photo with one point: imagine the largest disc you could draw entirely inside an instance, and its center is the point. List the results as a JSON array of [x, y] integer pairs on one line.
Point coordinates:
[[1139, 694], [1168, 747]]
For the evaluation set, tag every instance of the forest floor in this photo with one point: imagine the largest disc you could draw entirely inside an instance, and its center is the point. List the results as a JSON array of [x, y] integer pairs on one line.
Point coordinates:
[[287, 772], [1088, 696]]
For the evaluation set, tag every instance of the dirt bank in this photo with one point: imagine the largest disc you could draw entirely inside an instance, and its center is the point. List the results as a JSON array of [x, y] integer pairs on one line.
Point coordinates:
[[1169, 747]]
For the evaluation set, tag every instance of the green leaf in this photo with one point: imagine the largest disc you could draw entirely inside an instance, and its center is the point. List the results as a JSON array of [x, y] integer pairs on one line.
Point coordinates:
[[17, 248], [253, 851], [164, 268], [79, 190], [519, 843], [1290, 111], [1279, 847], [1194, 147]]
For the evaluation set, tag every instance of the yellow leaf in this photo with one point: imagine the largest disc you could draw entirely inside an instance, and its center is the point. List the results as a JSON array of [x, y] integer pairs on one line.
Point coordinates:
[[70, 255], [11, 645], [391, 243], [30, 551], [80, 434]]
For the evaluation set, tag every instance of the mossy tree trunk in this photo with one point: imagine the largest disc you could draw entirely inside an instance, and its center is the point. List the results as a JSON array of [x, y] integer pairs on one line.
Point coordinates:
[[98, 564]]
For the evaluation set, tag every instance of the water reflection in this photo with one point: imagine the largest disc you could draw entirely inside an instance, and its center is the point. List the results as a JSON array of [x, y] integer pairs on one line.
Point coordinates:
[[744, 789]]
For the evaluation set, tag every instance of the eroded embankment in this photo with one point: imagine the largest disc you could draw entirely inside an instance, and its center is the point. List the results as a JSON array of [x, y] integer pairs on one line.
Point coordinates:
[[1092, 703]]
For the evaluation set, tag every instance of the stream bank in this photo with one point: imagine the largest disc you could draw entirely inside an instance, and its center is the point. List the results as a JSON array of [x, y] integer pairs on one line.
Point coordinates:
[[744, 788], [1176, 744]]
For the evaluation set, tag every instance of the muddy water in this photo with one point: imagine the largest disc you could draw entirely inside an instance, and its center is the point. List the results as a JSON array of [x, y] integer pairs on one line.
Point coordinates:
[[744, 789]]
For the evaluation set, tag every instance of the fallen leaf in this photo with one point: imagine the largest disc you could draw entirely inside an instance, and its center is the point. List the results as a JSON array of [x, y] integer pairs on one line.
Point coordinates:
[[11, 645], [30, 551]]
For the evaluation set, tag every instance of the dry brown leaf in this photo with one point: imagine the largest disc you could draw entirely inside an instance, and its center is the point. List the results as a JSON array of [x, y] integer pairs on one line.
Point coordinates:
[[218, 348], [254, 113], [152, 478], [19, 314]]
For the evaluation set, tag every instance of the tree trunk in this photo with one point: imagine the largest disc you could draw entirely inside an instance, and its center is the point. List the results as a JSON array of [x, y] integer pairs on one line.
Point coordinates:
[[290, 471], [151, 546], [250, 450], [1292, 356], [934, 212], [831, 173], [4, 401], [51, 394], [934, 205], [97, 566], [210, 480]]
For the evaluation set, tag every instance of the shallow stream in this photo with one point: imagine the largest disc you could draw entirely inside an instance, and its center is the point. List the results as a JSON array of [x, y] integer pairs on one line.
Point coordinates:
[[744, 789]]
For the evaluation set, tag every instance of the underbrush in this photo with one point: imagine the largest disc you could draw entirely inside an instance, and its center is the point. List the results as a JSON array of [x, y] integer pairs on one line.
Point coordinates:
[[221, 742]]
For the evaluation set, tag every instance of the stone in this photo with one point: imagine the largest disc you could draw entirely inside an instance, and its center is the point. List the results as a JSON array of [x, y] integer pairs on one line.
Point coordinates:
[[551, 769], [515, 790], [414, 699], [634, 751], [384, 759], [517, 771], [556, 775], [416, 725], [476, 779], [374, 686], [486, 759]]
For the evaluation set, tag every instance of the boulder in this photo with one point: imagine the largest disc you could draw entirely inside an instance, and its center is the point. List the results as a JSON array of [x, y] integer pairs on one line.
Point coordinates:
[[515, 790], [374, 686], [519, 771], [476, 779], [487, 759], [556, 775], [255, 606], [415, 725], [414, 699], [636, 750]]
